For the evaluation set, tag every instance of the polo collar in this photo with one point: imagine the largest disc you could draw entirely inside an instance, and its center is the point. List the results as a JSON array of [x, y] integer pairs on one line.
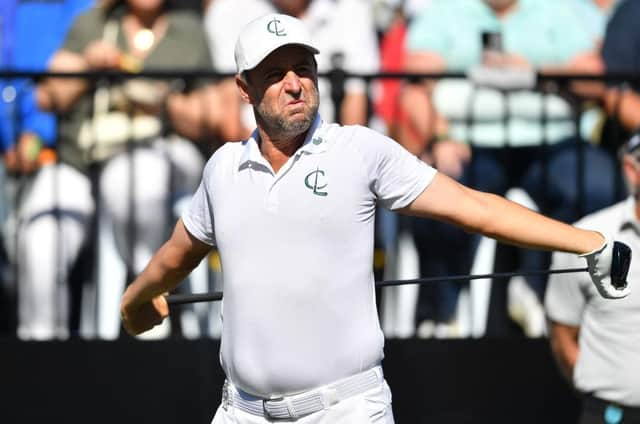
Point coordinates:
[[314, 142], [251, 151]]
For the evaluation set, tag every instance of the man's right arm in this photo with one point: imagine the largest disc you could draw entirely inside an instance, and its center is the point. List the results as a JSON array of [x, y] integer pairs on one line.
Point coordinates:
[[143, 305], [564, 346]]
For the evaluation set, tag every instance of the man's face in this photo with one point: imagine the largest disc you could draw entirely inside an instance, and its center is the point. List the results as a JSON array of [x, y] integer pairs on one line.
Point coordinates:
[[283, 89]]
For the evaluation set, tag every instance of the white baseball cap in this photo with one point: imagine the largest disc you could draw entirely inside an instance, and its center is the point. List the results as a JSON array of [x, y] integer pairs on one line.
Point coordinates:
[[263, 35]]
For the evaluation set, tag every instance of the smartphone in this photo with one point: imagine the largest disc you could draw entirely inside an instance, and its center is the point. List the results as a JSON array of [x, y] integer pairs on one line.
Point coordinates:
[[492, 41]]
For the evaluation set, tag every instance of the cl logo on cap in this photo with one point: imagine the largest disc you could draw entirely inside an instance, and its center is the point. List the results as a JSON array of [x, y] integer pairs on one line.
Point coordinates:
[[274, 27]]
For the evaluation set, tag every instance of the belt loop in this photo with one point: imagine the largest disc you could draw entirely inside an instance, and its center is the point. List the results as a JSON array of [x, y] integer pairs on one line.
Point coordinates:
[[378, 371], [329, 398], [292, 410]]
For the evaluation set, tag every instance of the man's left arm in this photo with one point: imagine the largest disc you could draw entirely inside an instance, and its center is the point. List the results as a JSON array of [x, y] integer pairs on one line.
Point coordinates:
[[498, 218], [506, 221]]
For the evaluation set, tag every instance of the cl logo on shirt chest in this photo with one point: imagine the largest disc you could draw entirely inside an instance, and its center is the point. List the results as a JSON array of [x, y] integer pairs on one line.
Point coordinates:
[[316, 181]]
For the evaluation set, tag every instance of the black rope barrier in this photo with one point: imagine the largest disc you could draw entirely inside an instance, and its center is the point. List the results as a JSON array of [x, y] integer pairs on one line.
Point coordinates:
[[609, 77]]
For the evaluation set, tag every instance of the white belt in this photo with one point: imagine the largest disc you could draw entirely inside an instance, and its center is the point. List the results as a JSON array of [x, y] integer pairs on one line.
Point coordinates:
[[301, 404]]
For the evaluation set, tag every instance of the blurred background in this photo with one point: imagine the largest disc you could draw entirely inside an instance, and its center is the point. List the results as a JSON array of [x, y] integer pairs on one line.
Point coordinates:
[[110, 109]]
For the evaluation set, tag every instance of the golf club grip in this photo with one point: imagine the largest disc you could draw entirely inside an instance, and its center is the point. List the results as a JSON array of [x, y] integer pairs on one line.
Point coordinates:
[[180, 299]]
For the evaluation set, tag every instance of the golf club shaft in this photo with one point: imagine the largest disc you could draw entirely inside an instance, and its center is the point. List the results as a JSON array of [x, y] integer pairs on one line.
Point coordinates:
[[180, 299]]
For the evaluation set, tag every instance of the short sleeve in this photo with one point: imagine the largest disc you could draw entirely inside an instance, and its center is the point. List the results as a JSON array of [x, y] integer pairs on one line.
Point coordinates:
[[564, 298], [198, 218], [396, 176]]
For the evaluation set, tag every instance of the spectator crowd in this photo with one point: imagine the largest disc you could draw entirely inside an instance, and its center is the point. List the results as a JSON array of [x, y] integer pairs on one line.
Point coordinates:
[[96, 170]]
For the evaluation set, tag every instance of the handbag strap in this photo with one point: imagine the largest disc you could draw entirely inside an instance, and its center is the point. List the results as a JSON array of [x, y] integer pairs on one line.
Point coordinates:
[[101, 93], [101, 96]]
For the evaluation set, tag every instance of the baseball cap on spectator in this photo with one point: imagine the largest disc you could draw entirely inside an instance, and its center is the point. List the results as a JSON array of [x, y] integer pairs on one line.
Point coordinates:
[[263, 35]]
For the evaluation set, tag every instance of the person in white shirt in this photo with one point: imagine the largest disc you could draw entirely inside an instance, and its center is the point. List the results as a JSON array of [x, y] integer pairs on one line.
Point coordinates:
[[291, 211], [596, 343]]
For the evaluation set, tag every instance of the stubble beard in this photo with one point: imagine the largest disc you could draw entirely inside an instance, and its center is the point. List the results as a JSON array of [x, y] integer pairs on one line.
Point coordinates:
[[281, 127]]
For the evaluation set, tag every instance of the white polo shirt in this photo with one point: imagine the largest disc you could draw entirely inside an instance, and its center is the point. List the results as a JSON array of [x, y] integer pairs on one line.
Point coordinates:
[[609, 362], [297, 251]]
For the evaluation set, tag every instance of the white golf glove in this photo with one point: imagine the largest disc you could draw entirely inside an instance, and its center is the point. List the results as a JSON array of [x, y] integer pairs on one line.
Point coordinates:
[[608, 267]]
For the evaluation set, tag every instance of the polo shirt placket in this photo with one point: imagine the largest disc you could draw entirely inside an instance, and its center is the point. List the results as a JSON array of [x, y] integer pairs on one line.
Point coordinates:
[[253, 161]]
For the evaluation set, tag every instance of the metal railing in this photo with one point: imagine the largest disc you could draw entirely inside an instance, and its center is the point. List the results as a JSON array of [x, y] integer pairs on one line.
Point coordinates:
[[550, 84]]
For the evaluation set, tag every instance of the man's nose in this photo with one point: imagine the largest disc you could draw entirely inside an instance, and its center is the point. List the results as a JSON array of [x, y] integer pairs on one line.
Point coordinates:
[[292, 82]]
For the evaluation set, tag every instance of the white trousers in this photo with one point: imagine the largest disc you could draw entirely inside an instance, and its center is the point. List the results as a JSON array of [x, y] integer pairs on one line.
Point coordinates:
[[371, 407], [56, 213]]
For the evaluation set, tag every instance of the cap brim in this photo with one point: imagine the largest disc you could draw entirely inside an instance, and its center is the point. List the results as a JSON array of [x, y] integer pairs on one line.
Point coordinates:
[[258, 60]]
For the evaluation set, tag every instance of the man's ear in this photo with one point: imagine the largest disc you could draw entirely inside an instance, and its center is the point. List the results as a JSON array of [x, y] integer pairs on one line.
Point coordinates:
[[244, 88]]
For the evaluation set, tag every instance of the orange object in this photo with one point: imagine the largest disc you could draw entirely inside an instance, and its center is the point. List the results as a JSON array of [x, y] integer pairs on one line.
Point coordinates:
[[47, 156]]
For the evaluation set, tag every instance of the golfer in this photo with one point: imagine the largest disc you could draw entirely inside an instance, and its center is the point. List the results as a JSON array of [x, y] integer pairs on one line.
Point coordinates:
[[291, 211]]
